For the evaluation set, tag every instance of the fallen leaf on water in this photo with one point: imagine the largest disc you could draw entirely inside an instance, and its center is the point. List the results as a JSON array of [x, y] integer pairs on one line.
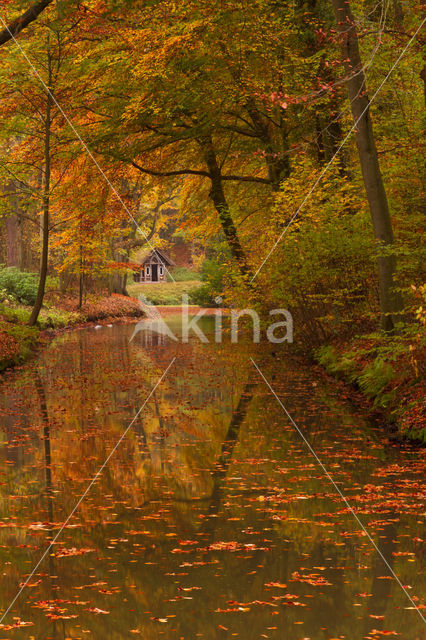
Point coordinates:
[[16, 625], [96, 610]]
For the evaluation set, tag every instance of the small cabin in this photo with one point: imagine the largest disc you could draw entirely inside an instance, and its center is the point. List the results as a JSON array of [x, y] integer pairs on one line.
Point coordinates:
[[153, 267]]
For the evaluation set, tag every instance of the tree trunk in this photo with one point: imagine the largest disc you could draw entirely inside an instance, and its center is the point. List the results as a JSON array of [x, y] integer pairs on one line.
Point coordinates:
[[398, 13], [217, 194], [13, 222], [15, 27], [423, 77], [277, 160], [118, 281], [119, 284], [80, 279], [13, 241], [46, 205], [390, 300]]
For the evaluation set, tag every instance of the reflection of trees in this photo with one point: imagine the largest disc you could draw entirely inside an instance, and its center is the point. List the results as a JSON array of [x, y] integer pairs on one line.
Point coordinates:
[[175, 478], [53, 586], [94, 384], [381, 588], [46, 439], [231, 439]]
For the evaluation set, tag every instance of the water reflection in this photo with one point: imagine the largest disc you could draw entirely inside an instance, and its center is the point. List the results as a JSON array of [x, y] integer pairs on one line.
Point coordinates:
[[212, 518]]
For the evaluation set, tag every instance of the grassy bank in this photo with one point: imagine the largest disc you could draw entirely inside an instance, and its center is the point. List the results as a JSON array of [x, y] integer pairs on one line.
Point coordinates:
[[389, 370], [18, 341], [164, 293]]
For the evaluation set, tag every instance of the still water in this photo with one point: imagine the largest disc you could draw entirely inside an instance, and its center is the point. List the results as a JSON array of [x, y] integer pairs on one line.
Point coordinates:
[[211, 519]]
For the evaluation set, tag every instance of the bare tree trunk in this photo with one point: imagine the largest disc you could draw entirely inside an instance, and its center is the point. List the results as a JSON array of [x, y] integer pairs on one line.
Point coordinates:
[[13, 243], [13, 225], [390, 300], [398, 13], [119, 284], [81, 278], [46, 204]]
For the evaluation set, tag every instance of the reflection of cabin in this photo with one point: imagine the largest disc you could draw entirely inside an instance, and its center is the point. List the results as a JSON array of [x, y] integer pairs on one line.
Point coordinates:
[[153, 267]]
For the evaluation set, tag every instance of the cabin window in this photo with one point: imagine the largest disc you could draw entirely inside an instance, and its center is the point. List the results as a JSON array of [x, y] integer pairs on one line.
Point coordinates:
[[147, 271], [161, 270]]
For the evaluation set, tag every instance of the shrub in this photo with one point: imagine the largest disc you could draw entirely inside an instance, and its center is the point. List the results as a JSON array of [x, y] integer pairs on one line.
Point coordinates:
[[21, 286], [54, 318], [14, 313], [5, 296], [202, 296], [375, 377], [388, 369], [215, 273]]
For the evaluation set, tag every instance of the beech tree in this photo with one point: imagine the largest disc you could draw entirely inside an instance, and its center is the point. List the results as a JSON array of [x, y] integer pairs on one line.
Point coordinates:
[[238, 108], [42, 149], [205, 109], [390, 299]]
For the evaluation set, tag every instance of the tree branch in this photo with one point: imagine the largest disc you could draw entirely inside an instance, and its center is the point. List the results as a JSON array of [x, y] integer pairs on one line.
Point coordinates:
[[163, 174], [194, 172], [17, 25], [247, 179]]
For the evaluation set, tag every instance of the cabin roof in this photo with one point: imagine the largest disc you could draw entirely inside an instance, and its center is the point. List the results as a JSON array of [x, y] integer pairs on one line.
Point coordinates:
[[166, 259]]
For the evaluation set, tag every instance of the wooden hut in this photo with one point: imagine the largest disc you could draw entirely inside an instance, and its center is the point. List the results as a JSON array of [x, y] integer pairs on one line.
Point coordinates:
[[154, 266]]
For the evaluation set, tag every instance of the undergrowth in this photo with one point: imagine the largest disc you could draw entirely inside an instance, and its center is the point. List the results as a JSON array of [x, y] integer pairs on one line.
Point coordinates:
[[388, 369]]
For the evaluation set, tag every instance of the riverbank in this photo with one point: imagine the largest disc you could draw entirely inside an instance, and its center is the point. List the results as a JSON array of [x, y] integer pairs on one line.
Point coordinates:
[[18, 341], [390, 373]]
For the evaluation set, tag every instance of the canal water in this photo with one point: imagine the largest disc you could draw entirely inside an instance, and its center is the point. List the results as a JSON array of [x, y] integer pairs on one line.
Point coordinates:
[[211, 517]]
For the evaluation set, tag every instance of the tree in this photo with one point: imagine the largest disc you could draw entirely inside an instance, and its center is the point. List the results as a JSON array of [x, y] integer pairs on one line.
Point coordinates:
[[390, 299], [40, 148], [47, 133], [198, 103]]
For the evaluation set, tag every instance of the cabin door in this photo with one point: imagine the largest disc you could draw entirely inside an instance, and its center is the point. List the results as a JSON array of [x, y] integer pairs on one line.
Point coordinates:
[[154, 268]]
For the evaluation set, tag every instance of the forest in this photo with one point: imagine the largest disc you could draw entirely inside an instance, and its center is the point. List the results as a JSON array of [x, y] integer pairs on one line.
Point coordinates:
[[281, 141], [174, 461]]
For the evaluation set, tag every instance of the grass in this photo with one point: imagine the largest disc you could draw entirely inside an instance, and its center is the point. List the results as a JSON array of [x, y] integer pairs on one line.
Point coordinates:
[[163, 293], [50, 317], [182, 274]]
